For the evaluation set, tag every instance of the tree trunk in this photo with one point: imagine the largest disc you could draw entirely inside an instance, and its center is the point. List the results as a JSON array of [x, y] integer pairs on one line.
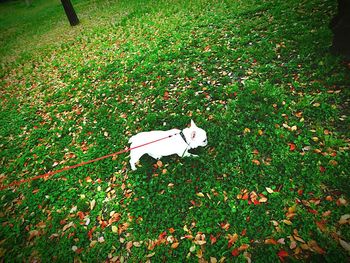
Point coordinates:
[[70, 12]]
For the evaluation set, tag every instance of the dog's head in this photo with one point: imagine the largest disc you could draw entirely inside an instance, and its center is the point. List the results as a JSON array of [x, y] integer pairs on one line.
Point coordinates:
[[196, 136]]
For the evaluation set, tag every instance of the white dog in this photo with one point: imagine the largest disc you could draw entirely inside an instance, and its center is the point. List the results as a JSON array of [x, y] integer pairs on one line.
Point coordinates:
[[175, 142]]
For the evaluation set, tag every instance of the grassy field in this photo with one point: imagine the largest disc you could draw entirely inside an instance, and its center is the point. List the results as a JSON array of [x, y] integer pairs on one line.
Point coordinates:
[[272, 184]]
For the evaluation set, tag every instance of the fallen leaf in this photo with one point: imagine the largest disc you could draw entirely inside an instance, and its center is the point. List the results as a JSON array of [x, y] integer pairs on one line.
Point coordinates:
[[136, 244], [291, 146], [225, 226], [33, 233], [175, 245], [281, 241], [212, 239], [235, 252], [129, 246], [341, 201], [213, 260], [200, 194], [68, 226], [271, 241], [92, 204], [282, 254], [114, 229], [232, 239], [263, 200], [269, 190], [299, 239], [243, 247], [93, 243], [321, 225], [293, 245], [345, 245], [344, 219], [257, 162], [287, 222], [315, 247], [192, 248], [199, 253], [247, 256]]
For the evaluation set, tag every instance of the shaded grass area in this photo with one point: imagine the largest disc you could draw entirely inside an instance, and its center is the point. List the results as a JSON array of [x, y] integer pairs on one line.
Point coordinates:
[[258, 77]]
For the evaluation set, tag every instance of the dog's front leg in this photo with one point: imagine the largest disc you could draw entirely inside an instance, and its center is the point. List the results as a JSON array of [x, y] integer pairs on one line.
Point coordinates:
[[187, 154]]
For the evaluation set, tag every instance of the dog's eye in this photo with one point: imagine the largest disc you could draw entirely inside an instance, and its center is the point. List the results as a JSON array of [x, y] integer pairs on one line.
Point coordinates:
[[205, 140]]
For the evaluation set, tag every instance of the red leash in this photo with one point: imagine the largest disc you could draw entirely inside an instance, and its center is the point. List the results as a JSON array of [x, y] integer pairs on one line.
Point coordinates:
[[17, 183]]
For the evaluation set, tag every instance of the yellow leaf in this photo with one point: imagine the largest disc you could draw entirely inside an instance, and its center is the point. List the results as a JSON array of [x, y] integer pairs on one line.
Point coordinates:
[[93, 243], [200, 194], [114, 229], [92, 204], [287, 222], [213, 260], [269, 190]]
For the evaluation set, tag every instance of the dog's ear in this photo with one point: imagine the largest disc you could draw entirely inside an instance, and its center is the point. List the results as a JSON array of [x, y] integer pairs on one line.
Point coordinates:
[[193, 135], [193, 124]]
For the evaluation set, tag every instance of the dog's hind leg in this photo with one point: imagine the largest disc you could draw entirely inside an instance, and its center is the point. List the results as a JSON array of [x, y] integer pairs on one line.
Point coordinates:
[[134, 158]]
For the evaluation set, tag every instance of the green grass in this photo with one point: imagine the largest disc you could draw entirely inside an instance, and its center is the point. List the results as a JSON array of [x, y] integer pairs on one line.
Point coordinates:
[[256, 75]]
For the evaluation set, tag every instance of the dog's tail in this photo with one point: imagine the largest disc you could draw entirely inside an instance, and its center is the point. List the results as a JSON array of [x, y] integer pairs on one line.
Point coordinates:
[[131, 140]]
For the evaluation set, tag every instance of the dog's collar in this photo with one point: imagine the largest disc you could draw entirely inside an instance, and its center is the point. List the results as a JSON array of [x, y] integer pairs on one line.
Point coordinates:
[[184, 138]]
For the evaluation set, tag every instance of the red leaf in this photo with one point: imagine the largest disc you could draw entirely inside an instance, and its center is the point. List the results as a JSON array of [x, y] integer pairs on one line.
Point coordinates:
[[81, 215], [300, 192], [291, 146], [312, 211], [322, 169], [91, 231], [162, 235], [212, 239], [245, 196], [235, 252], [282, 254], [244, 231]]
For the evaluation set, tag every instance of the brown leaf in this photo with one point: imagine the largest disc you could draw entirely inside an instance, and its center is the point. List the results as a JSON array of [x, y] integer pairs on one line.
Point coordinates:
[[33, 233], [315, 247], [344, 219], [129, 246], [270, 241]]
